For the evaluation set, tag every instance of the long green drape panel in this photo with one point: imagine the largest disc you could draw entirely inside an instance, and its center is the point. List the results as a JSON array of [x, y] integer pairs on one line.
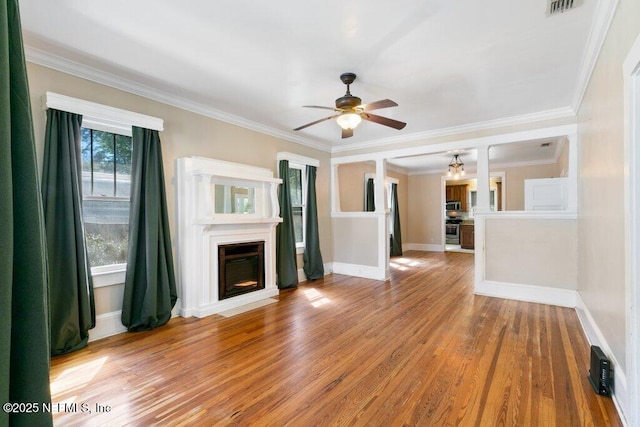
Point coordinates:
[[396, 235], [286, 267], [150, 284], [24, 311], [313, 264], [369, 196], [71, 301]]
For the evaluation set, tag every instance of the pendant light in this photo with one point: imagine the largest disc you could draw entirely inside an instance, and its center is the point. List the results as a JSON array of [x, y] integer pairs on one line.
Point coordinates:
[[456, 167]]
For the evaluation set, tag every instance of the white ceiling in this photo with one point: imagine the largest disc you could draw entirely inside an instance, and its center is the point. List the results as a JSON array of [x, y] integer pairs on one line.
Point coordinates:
[[446, 63]]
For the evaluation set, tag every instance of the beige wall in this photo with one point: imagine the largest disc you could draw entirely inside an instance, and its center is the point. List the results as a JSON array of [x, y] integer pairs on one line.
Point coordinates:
[[356, 240], [563, 160], [425, 210], [514, 182], [351, 185], [425, 220], [185, 134], [538, 252], [601, 159]]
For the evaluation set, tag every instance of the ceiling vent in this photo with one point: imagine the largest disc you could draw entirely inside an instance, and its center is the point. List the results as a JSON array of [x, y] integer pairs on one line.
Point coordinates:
[[545, 144], [555, 7]]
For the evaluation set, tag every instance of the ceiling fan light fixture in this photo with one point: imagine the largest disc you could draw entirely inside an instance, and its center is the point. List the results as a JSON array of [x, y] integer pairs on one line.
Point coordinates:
[[349, 120]]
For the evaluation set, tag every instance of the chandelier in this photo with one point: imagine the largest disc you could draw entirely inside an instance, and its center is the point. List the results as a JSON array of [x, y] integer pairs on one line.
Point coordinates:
[[456, 167]]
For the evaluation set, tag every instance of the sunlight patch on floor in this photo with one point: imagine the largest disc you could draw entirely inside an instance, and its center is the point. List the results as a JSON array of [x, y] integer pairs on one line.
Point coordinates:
[[397, 266], [316, 297], [77, 377]]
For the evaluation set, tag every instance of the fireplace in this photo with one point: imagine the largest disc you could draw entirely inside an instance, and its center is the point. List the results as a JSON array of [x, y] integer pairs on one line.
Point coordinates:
[[241, 268], [227, 218]]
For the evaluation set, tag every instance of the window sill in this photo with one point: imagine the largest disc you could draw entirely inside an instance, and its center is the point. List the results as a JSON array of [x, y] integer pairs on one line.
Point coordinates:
[[108, 275], [299, 250]]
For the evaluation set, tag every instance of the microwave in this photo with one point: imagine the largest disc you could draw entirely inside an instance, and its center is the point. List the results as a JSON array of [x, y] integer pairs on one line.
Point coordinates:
[[452, 206]]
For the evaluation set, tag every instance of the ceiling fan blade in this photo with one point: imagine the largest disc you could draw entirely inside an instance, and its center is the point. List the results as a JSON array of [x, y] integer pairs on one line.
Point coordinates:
[[321, 107], [347, 133], [383, 103], [316, 122], [383, 121]]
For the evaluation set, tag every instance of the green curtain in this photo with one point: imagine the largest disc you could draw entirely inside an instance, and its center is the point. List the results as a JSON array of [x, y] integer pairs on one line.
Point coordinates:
[[24, 311], [150, 284], [313, 264], [369, 196], [286, 267], [396, 235], [71, 301]]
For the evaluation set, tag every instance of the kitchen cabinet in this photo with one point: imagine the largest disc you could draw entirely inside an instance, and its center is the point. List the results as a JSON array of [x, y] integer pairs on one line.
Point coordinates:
[[467, 236], [457, 193]]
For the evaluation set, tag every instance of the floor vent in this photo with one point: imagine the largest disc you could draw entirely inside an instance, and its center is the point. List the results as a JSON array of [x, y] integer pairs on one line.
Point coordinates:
[[555, 7]]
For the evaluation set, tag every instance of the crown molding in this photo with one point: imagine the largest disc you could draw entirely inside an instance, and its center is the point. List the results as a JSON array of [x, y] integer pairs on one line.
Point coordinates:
[[557, 113], [58, 63], [605, 10]]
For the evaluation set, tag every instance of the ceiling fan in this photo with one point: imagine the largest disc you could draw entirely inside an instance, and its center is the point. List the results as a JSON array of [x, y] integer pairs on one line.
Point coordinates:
[[350, 111]]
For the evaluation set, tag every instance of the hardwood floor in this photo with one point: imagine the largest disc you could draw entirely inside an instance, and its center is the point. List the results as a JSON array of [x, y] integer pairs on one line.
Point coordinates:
[[418, 350]]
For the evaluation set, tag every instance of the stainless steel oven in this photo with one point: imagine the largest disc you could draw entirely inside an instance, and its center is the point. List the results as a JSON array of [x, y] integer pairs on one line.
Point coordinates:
[[452, 234]]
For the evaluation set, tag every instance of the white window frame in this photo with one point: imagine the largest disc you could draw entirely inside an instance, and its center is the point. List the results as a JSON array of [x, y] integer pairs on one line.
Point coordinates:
[[303, 182], [300, 162], [109, 119]]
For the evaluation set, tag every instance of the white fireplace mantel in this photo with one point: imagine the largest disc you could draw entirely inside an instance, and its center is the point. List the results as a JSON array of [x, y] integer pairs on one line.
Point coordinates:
[[206, 219]]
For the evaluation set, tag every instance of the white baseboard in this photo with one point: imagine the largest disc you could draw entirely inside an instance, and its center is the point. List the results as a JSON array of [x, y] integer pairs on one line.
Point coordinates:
[[328, 269], [365, 271], [422, 247], [107, 324], [596, 337], [529, 293], [205, 310]]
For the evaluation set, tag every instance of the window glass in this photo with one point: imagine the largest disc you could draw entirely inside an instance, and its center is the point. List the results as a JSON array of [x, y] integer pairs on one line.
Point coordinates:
[[295, 183], [106, 187]]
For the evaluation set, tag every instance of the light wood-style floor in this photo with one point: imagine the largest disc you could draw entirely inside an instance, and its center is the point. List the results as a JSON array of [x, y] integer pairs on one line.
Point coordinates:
[[418, 350]]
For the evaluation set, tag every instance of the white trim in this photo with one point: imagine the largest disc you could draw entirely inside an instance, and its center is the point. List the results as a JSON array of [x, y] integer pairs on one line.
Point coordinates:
[[108, 275], [97, 114], [107, 324], [600, 27], [207, 309], [422, 247], [528, 215], [365, 271], [355, 214], [596, 337], [296, 158], [455, 130], [328, 269], [461, 144], [528, 293], [631, 75]]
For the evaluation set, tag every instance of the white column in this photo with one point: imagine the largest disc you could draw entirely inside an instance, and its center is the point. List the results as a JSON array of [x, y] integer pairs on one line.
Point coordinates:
[[382, 211], [482, 202], [380, 187], [335, 189]]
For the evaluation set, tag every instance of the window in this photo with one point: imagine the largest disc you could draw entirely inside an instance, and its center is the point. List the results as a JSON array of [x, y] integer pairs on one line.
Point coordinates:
[[298, 187], [297, 183], [106, 188]]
